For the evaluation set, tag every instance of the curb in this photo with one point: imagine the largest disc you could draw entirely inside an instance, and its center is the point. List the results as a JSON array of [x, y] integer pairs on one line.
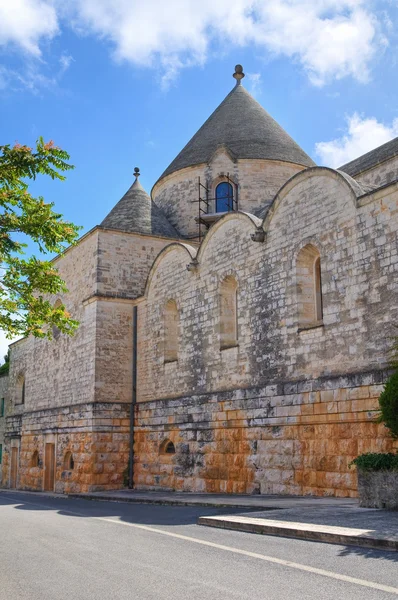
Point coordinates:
[[302, 531], [165, 502]]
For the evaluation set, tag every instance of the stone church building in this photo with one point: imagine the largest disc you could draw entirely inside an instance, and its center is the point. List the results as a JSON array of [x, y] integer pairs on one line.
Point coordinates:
[[242, 313]]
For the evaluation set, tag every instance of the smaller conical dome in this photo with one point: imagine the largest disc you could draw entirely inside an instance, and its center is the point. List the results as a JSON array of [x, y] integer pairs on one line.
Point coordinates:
[[136, 213]]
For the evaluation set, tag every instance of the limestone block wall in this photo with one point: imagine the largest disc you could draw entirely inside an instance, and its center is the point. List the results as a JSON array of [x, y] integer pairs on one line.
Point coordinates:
[[257, 180], [311, 391], [3, 394], [286, 438], [124, 260], [96, 435], [61, 372], [113, 351], [357, 243], [381, 174]]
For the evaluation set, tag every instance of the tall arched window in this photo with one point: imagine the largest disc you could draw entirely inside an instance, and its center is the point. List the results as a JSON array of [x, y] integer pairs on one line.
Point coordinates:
[[228, 313], [224, 197], [20, 399], [309, 286], [171, 322]]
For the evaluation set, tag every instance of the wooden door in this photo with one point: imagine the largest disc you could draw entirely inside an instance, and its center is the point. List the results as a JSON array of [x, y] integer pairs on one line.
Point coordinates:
[[49, 467], [14, 467]]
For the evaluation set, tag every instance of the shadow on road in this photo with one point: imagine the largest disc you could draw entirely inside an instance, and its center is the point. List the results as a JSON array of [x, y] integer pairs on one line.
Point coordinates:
[[128, 512], [155, 515]]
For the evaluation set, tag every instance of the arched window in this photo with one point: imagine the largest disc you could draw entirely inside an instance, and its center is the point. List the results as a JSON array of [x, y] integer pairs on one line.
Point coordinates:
[[171, 321], [35, 459], [228, 313], [69, 463], [56, 331], [224, 197], [20, 399], [167, 447], [309, 286]]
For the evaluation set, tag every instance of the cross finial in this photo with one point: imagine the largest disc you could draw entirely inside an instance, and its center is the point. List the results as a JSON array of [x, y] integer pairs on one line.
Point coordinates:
[[137, 172], [239, 74]]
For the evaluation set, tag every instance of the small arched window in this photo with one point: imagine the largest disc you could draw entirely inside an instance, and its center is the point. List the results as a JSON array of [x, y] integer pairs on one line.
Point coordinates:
[[35, 459], [171, 322], [69, 463], [20, 389], [55, 329], [224, 197], [228, 313], [167, 447], [309, 287]]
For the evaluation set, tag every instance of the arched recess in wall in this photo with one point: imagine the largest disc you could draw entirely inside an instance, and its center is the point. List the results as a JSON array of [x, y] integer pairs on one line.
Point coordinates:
[[228, 313], [35, 459], [171, 323], [167, 447], [309, 287], [55, 330], [20, 399], [69, 463]]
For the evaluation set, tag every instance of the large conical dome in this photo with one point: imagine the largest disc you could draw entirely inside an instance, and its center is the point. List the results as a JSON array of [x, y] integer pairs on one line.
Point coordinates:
[[242, 125]]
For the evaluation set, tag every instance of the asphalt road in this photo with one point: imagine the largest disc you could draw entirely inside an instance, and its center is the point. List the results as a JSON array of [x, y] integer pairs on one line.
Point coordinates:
[[59, 548]]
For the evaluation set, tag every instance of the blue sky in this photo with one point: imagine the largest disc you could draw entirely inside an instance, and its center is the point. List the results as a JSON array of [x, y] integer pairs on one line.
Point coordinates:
[[125, 83]]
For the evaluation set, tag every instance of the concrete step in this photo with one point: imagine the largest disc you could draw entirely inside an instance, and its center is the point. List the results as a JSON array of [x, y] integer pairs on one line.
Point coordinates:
[[345, 536]]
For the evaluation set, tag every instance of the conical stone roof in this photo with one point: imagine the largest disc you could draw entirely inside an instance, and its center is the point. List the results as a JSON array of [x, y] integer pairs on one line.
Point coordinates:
[[136, 213], [242, 125]]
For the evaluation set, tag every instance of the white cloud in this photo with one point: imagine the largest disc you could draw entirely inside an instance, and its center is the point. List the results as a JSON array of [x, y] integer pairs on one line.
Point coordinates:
[[362, 135], [25, 23], [65, 62], [329, 38], [254, 83]]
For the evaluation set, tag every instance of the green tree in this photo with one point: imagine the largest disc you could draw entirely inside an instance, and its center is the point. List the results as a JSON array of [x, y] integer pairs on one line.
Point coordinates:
[[388, 402], [27, 283], [5, 367]]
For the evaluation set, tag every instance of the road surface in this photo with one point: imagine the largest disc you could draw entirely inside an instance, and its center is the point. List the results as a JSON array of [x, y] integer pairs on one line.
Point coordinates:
[[64, 548]]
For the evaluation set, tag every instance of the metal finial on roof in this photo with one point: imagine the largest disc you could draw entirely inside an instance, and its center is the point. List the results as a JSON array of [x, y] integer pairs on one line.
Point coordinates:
[[137, 172], [239, 74]]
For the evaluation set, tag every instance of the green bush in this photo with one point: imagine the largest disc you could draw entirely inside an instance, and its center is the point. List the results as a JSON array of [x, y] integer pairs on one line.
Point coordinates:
[[388, 402], [376, 461]]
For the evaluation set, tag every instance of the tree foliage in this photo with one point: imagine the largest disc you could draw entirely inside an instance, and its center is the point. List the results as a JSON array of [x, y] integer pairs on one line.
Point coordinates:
[[388, 403], [27, 284], [376, 461], [5, 367]]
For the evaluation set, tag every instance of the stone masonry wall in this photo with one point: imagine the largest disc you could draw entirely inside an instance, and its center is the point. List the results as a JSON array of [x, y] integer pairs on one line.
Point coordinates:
[[381, 174], [3, 394], [357, 241], [94, 364], [124, 260], [62, 371], [258, 181], [286, 438], [97, 435]]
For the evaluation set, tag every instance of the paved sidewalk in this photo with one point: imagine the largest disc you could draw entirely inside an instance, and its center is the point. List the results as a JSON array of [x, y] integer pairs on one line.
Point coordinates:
[[331, 520], [352, 526], [221, 500]]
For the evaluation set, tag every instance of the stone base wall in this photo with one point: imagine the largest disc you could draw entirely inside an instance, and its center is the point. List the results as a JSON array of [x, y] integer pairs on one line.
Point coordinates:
[[291, 438], [97, 435]]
